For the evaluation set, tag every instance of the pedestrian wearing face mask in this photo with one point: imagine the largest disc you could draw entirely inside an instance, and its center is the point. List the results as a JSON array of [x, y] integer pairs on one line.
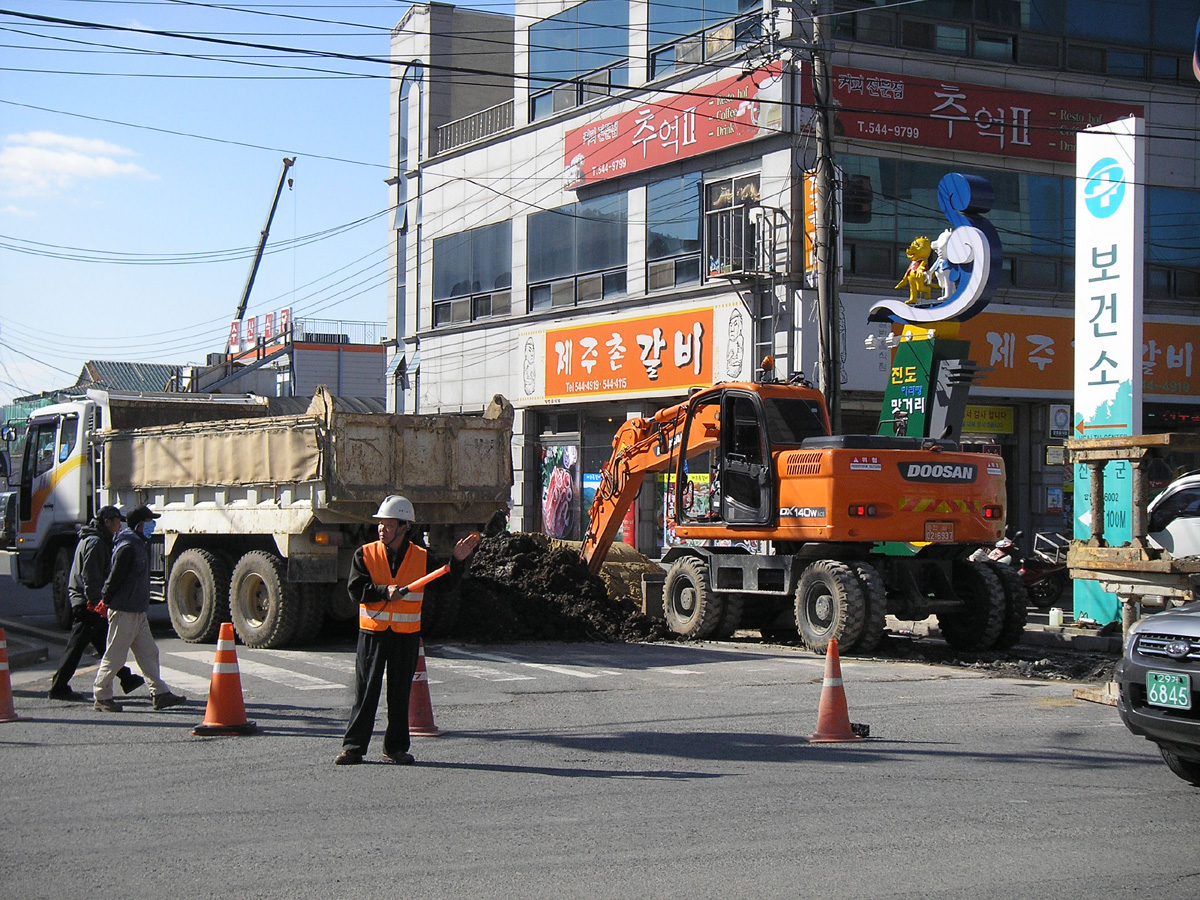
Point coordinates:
[[126, 593]]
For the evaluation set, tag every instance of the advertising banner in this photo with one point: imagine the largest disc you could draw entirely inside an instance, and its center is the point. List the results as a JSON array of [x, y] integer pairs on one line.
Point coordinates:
[[643, 356], [676, 126], [958, 115]]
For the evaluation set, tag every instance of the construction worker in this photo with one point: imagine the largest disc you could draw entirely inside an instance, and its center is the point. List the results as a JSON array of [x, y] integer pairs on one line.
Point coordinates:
[[389, 628]]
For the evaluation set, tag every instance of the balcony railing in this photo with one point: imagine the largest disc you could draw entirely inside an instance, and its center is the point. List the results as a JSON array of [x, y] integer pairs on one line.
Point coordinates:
[[475, 127]]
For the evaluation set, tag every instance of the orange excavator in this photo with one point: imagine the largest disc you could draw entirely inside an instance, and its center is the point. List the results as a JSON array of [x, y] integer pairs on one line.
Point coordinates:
[[784, 526]]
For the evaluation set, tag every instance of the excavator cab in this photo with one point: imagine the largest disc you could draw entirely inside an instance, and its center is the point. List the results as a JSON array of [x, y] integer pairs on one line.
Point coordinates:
[[740, 427]]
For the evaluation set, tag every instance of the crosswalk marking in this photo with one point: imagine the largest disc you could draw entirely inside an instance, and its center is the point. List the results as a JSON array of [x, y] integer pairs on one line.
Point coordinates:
[[573, 671], [475, 671], [190, 684], [298, 680]]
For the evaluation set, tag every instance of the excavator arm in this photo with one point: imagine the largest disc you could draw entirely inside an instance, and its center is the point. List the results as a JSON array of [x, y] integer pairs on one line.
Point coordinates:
[[642, 446]]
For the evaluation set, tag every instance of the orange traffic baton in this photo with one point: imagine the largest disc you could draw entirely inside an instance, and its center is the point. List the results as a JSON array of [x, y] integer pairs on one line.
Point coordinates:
[[833, 719], [7, 712], [420, 706], [226, 713], [420, 583]]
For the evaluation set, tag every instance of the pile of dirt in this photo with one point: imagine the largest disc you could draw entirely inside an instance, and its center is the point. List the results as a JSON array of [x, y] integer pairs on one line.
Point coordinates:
[[517, 587], [1018, 662]]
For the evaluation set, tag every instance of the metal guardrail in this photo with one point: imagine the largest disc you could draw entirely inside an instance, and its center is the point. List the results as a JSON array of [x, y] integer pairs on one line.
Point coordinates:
[[475, 127]]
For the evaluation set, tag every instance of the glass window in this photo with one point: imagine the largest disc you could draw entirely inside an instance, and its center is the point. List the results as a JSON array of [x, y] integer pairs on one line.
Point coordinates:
[[41, 447], [1085, 59], [729, 241], [491, 257], [573, 43], [1174, 26], [1165, 68], [68, 433], [996, 47], [1172, 223], [1117, 23], [452, 265], [1126, 65], [791, 421], [551, 243], [601, 241], [673, 217]]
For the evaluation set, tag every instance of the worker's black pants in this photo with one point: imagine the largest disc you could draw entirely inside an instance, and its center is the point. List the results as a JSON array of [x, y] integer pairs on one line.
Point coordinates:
[[88, 628], [397, 654]]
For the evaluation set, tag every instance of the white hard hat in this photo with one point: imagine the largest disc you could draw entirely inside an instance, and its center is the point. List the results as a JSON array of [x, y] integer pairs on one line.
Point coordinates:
[[396, 507]]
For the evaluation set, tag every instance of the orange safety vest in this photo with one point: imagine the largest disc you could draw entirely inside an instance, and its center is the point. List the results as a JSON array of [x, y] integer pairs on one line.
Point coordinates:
[[403, 614]]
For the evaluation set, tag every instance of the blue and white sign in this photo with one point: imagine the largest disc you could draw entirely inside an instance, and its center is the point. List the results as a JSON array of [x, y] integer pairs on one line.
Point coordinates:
[[1109, 235]]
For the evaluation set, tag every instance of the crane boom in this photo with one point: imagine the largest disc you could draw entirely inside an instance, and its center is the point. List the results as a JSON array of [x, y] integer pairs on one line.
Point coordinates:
[[262, 242]]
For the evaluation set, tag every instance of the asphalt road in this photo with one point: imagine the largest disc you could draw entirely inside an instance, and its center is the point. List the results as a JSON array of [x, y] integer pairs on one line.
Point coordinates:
[[592, 771]]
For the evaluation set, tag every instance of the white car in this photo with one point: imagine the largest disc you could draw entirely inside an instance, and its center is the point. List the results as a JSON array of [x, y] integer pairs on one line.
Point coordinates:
[[1175, 517]]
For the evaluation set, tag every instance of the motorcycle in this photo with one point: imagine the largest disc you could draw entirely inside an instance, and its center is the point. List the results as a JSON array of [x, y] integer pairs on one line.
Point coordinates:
[[1045, 572]]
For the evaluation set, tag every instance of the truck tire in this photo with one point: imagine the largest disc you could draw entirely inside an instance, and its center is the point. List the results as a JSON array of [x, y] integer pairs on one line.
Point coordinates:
[[263, 604], [58, 587], [314, 600], [875, 614], [1016, 605], [829, 605], [198, 595], [1045, 593], [691, 608], [978, 624]]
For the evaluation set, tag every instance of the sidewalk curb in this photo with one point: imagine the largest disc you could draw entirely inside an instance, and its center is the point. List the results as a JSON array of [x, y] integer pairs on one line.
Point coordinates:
[[24, 652]]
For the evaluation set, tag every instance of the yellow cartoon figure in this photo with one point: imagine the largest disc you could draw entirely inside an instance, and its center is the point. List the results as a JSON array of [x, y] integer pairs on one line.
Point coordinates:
[[914, 276]]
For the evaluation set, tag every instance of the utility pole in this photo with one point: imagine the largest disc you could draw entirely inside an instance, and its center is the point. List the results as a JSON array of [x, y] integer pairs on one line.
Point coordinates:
[[828, 306]]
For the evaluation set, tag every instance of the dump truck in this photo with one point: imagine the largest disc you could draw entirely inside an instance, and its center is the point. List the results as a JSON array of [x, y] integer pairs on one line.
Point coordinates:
[[792, 527], [263, 501]]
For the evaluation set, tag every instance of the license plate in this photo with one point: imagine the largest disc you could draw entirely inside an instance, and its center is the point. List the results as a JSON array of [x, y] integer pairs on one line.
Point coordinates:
[[1169, 690], [939, 532]]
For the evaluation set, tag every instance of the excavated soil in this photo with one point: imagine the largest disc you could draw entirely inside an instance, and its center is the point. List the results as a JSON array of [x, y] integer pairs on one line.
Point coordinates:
[[520, 587]]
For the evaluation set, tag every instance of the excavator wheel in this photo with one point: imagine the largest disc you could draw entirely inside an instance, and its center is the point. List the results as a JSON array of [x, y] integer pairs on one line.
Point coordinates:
[[731, 615], [875, 597], [1016, 605], [829, 605], [978, 624], [691, 608]]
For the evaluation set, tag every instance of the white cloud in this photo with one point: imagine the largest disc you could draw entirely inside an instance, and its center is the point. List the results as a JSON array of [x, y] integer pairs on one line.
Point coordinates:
[[42, 162], [14, 210]]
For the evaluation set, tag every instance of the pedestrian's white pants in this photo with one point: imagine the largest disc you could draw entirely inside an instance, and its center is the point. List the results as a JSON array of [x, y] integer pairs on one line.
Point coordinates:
[[128, 631]]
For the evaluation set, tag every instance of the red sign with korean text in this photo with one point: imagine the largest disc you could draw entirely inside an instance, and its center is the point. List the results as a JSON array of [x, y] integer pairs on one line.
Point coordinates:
[[1035, 352], [630, 356], [957, 115], [710, 117]]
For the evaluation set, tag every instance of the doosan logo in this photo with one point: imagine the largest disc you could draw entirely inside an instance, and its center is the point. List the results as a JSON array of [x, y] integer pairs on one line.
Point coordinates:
[[940, 473]]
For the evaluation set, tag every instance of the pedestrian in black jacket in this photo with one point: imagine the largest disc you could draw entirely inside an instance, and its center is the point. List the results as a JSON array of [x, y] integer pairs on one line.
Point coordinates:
[[89, 568]]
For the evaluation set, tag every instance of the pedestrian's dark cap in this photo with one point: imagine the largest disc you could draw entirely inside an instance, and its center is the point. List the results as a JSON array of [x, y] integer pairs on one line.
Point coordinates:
[[109, 512], [140, 514]]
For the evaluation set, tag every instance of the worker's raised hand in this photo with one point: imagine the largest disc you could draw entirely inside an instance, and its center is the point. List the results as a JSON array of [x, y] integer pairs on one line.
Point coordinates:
[[466, 546]]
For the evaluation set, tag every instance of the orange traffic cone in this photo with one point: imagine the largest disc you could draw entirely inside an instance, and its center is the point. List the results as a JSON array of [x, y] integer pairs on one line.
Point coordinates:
[[833, 719], [7, 712], [420, 708], [226, 713]]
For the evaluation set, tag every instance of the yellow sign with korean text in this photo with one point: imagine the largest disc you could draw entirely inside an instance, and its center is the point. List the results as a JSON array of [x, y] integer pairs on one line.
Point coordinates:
[[988, 420]]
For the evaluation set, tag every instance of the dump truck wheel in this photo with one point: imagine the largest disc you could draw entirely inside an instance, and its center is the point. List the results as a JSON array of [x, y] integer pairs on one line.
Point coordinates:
[[829, 605], [198, 595], [978, 624], [691, 608], [263, 604], [875, 614], [1016, 605], [314, 600], [58, 588]]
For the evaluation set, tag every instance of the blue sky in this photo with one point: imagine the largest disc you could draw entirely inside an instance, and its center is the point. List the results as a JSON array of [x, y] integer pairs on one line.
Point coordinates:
[[134, 181]]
